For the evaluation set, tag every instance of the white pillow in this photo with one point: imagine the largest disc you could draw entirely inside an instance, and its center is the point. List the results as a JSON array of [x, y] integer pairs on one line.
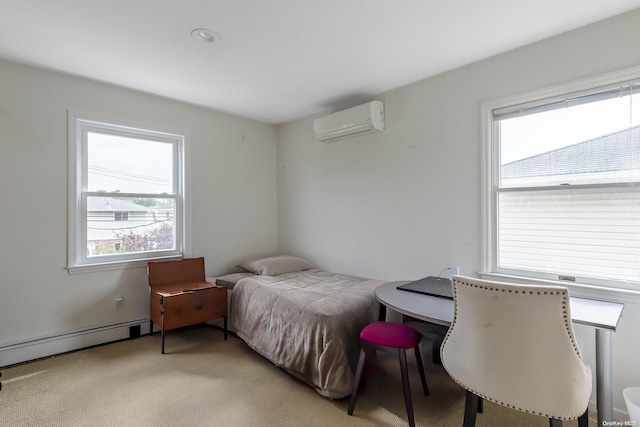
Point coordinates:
[[274, 265]]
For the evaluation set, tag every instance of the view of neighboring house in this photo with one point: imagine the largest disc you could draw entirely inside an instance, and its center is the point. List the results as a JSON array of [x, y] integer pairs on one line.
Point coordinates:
[[607, 158], [110, 218], [558, 212]]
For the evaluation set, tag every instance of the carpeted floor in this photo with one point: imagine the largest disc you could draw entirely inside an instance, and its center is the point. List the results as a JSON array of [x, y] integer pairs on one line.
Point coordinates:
[[206, 381]]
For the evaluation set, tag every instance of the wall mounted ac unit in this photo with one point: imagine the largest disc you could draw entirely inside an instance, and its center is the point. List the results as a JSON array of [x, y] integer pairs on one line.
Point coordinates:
[[360, 120]]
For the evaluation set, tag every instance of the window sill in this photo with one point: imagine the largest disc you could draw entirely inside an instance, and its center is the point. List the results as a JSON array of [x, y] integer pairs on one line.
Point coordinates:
[[575, 289], [119, 265]]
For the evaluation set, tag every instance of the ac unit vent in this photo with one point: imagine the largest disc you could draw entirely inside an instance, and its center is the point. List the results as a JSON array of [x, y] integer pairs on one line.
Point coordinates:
[[355, 121]]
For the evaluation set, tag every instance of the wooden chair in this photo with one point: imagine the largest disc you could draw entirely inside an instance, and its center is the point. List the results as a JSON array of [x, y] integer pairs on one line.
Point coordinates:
[[180, 296]]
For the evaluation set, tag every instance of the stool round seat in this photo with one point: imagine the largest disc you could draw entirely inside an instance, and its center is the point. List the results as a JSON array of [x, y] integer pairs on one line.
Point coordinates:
[[392, 335], [400, 337]]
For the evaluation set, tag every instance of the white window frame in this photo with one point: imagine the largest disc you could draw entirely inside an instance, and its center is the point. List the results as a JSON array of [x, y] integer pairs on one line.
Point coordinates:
[[586, 287], [78, 261]]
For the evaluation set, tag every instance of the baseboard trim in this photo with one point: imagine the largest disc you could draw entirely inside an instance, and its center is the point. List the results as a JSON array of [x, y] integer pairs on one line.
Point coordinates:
[[51, 345]]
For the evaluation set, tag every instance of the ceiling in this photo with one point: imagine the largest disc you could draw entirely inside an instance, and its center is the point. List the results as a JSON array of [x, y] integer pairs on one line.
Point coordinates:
[[278, 60]]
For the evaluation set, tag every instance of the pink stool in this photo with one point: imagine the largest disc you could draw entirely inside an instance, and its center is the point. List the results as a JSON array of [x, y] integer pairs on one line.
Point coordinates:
[[393, 335]]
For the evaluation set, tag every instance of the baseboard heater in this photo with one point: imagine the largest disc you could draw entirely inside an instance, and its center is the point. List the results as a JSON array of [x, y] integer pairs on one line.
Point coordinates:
[[51, 345]]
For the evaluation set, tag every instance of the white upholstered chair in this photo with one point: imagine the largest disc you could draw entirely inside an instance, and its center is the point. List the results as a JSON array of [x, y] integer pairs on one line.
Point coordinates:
[[514, 345]]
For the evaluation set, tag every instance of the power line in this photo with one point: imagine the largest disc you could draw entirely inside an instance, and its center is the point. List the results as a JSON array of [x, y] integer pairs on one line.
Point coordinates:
[[129, 176], [131, 227]]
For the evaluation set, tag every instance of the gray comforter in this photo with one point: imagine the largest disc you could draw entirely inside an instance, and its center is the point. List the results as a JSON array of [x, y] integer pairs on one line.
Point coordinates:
[[307, 323]]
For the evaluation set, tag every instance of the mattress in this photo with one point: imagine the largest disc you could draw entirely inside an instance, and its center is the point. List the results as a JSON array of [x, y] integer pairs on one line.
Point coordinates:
[[306, 322]]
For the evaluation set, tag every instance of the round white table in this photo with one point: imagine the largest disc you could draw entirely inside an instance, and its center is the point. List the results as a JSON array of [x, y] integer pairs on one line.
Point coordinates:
[[601, 315]]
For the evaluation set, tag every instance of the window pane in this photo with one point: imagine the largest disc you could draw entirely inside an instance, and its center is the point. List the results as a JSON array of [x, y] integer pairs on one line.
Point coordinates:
[[587, 233], [118, 164], [567, 195], [592, 143], [121, 225]]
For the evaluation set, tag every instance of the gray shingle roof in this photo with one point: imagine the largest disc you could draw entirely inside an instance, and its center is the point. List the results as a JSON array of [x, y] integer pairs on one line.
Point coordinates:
[[616, 151], [112, 204]]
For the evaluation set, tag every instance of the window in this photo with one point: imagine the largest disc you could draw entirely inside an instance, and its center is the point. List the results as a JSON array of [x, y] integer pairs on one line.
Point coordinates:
[[562, 194], [126, 194], [121, 216]]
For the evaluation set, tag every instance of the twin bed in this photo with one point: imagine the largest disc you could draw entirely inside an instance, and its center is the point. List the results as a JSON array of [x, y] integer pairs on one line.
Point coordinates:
[[304, 320]]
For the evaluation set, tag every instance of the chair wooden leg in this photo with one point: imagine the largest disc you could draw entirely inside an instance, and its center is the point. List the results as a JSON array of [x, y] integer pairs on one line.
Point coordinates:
[[225, 328], [162, 329], [470, 410], [402, 354], [435, 352], [421, 370], [583, 420], [356, 382]]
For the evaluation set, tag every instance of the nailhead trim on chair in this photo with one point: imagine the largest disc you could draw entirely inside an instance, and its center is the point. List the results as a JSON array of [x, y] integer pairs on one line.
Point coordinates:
[[568, 328]]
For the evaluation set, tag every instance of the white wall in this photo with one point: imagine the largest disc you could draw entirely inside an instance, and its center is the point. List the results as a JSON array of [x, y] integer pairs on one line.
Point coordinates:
[[406, 203], [233, 206]]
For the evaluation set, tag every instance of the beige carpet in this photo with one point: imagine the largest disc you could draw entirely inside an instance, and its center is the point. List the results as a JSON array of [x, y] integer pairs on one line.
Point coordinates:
[[206, 381]]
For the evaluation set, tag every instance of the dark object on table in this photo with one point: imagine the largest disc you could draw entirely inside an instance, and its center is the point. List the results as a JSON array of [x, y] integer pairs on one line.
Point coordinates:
[[431, 285]]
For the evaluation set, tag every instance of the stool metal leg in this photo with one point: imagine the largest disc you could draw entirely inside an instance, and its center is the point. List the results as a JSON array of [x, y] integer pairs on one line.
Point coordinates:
[[382, 313], [402, 354], [356, 382], [421, 370]]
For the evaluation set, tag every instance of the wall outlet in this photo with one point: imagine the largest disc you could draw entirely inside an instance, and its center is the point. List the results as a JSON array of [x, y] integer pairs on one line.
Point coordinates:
[[453, 271], [120, 301]]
